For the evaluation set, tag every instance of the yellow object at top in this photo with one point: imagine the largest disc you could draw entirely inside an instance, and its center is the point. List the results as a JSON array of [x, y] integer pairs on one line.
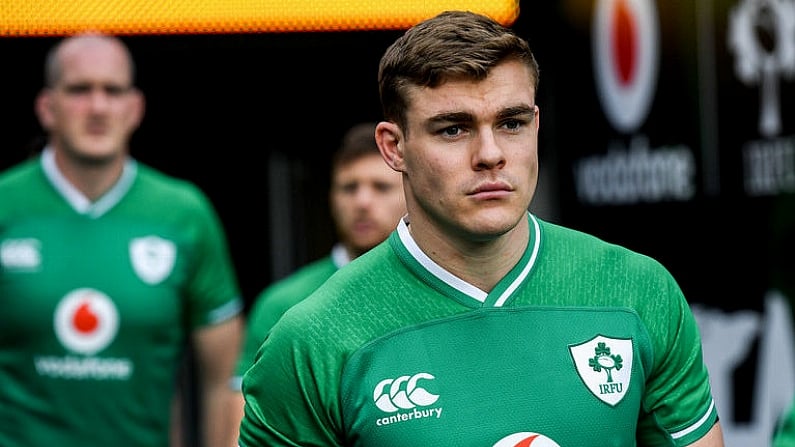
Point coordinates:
[[59, 17]]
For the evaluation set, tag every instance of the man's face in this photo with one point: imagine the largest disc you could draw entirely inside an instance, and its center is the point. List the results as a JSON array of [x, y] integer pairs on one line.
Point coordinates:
[[366, 202], [470, 155], [93, 109]]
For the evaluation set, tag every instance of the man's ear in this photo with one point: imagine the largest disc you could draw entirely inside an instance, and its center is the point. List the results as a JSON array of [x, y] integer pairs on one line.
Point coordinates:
[[389, 138], [137, 108], [43, 108]]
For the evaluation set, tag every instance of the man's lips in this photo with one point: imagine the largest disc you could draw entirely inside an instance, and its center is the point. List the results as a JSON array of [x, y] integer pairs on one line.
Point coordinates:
[[363, 225], [496, 190]]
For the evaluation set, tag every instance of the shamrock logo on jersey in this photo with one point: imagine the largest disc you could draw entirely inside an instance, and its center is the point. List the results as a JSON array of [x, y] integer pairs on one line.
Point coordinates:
[[604, 361], [605, 366], [152, 258]]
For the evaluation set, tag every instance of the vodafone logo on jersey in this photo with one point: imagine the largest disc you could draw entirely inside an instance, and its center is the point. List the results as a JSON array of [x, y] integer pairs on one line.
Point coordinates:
[[86, 321], [526, 439], [626, 57]]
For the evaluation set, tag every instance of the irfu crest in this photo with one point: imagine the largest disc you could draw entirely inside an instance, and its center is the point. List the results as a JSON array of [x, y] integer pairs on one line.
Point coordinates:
[[605, 366], [152, 258]]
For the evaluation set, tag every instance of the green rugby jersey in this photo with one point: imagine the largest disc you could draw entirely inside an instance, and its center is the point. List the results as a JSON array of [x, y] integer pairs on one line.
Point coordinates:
[[98, 300], [583, 343], [785, 430], [275, 299]]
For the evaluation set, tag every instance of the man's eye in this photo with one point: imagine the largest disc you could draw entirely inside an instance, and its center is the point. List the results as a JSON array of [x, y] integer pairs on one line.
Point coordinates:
[[116, 90], [383, 187], [349, 188], [78, 89], [452, 131], [84, 89], [513, 124]]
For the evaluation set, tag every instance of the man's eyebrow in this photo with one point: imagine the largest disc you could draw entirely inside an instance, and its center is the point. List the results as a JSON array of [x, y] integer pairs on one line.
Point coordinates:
[[451, 117], [516, 111], [91, 84]]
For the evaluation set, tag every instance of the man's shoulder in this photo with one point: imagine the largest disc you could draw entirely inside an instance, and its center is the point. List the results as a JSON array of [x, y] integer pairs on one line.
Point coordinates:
[[561, 244], [366, 275], [154, 176], [160, 186], [22, 185], [20, 174], [302, 281], [595, 244]]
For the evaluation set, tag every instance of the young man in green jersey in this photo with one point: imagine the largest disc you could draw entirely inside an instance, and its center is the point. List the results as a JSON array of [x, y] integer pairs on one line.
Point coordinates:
[[107, 269], [477, 323], [366, 201]]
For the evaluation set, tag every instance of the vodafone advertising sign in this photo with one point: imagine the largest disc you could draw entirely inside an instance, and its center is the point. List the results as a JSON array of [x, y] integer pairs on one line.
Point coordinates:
[[674, 134]]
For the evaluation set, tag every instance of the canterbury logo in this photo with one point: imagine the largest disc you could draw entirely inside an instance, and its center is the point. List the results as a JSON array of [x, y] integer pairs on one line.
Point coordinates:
[[20, 254], [403, 393]]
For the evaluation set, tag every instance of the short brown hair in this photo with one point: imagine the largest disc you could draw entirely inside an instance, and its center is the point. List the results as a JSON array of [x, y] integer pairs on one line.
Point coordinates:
[[357, 142], [453, 44]]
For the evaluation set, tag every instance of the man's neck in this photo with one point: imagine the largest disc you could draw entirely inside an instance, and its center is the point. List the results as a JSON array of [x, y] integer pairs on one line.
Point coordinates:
[[480, 263], [93, 177]]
